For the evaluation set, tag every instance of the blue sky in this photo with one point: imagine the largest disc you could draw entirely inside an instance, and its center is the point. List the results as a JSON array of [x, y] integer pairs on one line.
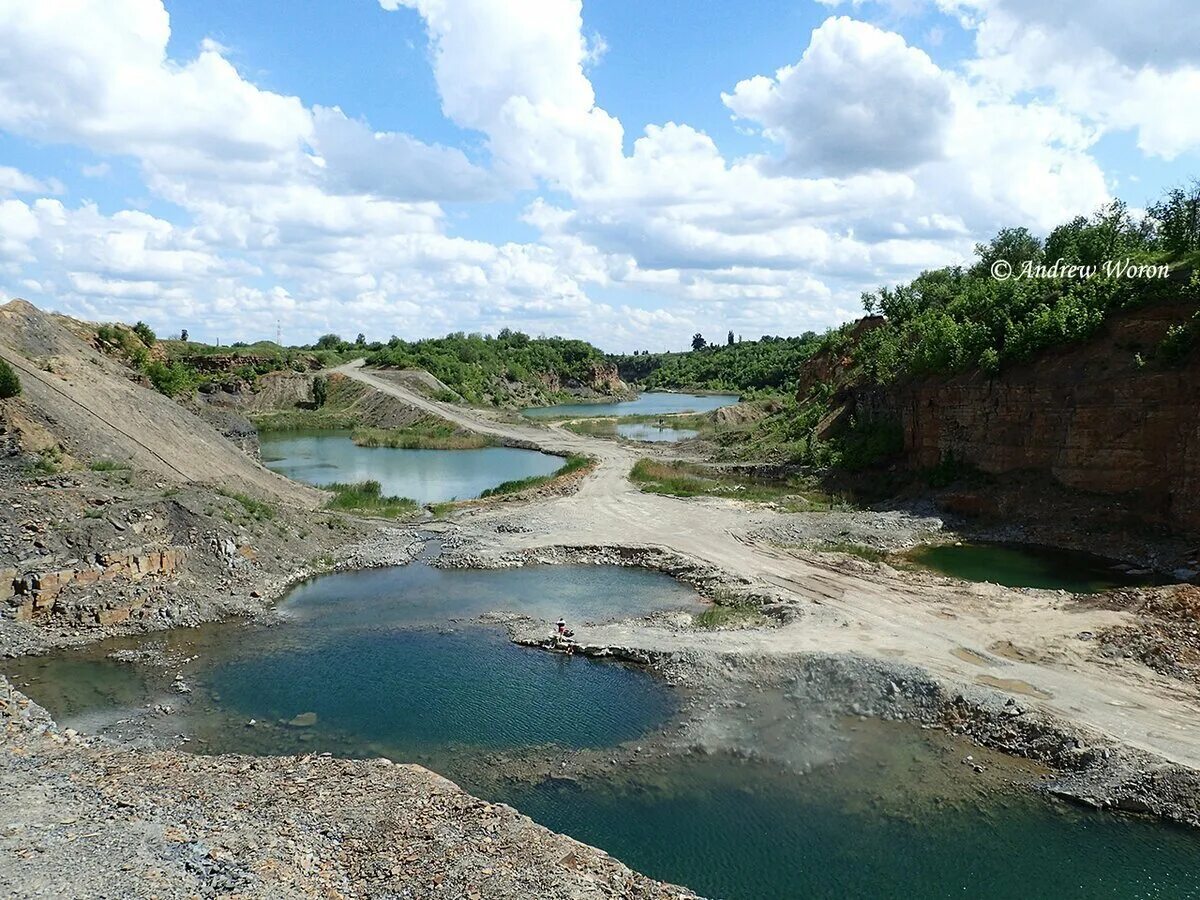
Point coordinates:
[[627, 173]]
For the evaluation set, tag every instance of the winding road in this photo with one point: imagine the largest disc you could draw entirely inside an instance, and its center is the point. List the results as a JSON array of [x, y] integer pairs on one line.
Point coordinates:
[[1023, 642]]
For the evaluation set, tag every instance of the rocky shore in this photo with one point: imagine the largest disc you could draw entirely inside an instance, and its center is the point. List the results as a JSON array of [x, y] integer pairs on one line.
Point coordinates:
[[86, 818]]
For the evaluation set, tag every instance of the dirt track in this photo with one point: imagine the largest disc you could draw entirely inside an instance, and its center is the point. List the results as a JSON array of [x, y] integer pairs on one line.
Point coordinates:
[[1022, 642]]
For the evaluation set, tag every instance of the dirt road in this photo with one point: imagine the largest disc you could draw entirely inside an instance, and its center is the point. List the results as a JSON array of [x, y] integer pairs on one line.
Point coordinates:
[[1027, 643]]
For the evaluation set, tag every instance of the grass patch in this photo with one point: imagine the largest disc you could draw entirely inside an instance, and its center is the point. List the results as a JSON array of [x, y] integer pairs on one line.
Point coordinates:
[[258, 510], [109, 465], [442, 509], [425, 435], [862, 551], [602, 428], [574, 463], [366, 497], [681, 479], [729, 611]]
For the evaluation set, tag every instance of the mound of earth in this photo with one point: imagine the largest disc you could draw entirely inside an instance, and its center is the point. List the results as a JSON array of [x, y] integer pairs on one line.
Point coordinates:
[[96, 412]]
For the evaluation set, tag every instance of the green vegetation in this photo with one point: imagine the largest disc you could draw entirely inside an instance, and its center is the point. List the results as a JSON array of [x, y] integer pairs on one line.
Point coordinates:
[[486, 369], [10, 383], [172, 379], [683, 479], [768, 366], [257, 510], [339, 411], [963, 319], [147, 337], [366, 497], [956, 319], [574, 463], [862, 551], [426, 434], [320, 391], [109, 465], [729, 611]]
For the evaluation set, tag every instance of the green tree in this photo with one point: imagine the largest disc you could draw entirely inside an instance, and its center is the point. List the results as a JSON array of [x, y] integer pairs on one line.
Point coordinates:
[[329, 342], [320, 391], [142, 330], [10, 384], [698, 341]]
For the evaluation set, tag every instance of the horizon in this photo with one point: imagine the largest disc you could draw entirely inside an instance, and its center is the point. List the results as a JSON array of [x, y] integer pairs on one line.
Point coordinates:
[[617, 174]]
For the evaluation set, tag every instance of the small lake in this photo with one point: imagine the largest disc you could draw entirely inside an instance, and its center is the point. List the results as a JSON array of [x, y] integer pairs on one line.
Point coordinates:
[[655, 434], [384, 662], [427, 476], [652, 403], [1028, 565], [394, 662]]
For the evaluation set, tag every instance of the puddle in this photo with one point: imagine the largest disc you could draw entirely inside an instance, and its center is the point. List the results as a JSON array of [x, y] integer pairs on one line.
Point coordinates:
[[1022, 565]]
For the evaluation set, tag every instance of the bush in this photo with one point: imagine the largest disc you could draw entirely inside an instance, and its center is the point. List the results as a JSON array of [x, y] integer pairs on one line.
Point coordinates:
[[142, 330], [10, 383], [171, 379], [320, 391], [366, 497]]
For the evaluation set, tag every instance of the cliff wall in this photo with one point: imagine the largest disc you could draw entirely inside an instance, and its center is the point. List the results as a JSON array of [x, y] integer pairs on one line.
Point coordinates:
[[1092, 416]]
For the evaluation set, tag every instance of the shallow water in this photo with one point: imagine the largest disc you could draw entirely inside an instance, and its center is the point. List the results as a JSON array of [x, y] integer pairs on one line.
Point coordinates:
[[393, 662], [390, 661], [427, 476], [1025, 565], [651, 404], [643, 431]]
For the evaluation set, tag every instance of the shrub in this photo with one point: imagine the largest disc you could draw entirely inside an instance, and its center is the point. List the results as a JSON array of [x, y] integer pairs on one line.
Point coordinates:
[[142, 330], [320, 391], [10, 383]]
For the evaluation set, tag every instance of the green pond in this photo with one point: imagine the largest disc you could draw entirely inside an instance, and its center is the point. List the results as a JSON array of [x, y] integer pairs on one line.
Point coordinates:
[[396, 662], [652, 403], [1027, 565], [427, 476], [736, 829]]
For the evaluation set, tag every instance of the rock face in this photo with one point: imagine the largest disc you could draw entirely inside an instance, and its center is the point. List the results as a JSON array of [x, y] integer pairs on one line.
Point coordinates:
[[1089, 415], [602, 378], [34, 595]]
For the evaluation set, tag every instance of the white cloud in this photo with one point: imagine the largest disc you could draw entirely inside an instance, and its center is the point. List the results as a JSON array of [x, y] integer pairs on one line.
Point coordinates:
[[14, 181], [859, 99], [515, 71], [875, 162]]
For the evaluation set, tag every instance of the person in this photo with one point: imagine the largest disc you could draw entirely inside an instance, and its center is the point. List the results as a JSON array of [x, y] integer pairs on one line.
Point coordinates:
[[562, 628]]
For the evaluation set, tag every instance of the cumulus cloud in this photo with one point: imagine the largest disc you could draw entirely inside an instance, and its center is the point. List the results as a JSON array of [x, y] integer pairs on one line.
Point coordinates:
[[515, 71], [357, 159], [859, 99], [14, 181], [874, 163]]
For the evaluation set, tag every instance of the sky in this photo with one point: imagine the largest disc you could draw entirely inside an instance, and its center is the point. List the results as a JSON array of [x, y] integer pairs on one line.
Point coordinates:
[[625, 172]]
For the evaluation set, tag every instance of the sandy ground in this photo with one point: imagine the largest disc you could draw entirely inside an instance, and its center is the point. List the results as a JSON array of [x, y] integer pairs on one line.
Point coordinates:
[[1031, 644]]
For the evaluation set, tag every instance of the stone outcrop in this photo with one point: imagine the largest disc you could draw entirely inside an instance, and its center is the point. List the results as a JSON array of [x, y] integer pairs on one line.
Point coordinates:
[[1095, 417], [36, 595], [602, 378]]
